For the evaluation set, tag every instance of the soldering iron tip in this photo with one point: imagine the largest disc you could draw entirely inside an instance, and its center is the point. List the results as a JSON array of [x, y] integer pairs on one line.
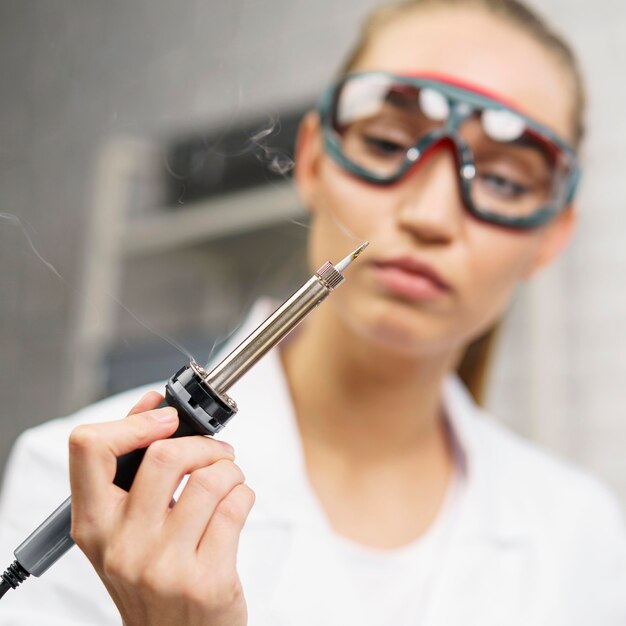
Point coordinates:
[[341, 266]]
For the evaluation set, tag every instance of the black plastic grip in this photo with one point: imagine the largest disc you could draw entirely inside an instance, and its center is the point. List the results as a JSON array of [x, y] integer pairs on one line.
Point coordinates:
[[200, 412], [128, 464]]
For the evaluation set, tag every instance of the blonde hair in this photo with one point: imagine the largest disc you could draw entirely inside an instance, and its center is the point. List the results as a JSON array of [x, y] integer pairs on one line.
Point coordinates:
[[512, 11], [473, 368]]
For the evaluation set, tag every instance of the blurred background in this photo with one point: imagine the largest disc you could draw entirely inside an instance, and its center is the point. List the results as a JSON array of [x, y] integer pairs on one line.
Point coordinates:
[[144, 145]]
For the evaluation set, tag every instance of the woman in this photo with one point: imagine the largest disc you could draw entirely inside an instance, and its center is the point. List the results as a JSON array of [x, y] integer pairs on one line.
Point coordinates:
[[383, 494]]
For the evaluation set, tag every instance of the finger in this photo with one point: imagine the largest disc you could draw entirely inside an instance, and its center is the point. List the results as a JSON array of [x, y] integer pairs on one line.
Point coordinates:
[[163, 467], [202, 494], [150, 400], [94, 449], [221, 538]]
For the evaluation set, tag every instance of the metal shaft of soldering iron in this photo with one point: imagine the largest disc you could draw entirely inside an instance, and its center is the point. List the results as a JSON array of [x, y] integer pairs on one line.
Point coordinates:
[[277, 325], [52, 539]]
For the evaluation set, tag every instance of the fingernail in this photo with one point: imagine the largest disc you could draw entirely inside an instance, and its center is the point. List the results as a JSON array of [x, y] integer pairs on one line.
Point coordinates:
[[166, 414]]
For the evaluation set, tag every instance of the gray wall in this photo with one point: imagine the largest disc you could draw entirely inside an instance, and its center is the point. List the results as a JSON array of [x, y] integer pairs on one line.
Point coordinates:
[[73, 74]]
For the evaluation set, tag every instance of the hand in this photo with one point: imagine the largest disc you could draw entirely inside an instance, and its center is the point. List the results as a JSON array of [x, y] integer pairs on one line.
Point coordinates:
[[162, 564]]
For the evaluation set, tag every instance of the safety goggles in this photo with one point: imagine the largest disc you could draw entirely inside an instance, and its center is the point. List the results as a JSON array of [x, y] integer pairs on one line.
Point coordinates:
[[512, 170]]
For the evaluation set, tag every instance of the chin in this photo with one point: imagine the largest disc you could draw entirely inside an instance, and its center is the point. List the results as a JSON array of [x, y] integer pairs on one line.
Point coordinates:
[[399, 330]]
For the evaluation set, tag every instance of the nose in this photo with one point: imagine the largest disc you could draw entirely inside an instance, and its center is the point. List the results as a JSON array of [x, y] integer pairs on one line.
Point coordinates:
[[431, 206]]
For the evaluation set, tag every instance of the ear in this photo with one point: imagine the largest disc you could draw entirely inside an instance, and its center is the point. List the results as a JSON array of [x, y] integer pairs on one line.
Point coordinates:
[[308, 154], [556, 237]]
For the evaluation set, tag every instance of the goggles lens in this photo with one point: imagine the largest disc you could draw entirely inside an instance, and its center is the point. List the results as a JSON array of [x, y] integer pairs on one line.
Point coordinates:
[[512, 170]]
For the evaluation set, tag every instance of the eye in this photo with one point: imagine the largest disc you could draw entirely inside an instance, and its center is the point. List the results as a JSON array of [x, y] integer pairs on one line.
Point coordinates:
[[385, 147], [504, 187]]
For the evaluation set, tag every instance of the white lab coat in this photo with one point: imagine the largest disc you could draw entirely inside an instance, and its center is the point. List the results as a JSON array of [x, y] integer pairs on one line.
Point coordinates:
[[536, 542]]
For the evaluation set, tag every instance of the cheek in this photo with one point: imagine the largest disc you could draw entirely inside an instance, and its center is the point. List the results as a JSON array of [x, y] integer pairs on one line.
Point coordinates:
[[498, 260]]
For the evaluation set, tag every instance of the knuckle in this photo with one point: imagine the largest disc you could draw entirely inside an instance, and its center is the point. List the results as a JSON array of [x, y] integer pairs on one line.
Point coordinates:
[[218, 478], [164, 452], [82, 438], [231, 471], [206, 479], [165, 574], [151, 579], [219, 590], [122, 560], [237, 504], [232, 591], [248, 495], [131, 562], [113, 565], [239, 472], [228, 591]]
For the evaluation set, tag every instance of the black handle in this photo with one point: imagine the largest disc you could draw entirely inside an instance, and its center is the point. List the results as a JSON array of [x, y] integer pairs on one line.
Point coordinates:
[[128, 464], [51, 540], [200, 412]]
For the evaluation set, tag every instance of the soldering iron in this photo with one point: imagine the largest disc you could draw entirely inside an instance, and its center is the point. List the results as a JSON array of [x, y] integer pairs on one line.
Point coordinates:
[[203, 406]]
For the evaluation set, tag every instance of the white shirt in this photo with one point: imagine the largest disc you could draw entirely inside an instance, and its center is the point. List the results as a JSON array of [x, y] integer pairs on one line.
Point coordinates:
[[529, 540], [390, 586]]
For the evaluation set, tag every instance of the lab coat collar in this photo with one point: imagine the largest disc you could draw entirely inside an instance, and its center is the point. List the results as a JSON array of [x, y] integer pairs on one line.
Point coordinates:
[[267, 442], [492, 508]]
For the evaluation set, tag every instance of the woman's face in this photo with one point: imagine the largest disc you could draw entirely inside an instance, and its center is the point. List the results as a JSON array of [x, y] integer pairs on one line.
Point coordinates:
[[420, 222]]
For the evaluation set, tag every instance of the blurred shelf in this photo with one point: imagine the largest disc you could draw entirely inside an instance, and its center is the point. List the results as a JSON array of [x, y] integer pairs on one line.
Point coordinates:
[[129, 220], [231, 214]]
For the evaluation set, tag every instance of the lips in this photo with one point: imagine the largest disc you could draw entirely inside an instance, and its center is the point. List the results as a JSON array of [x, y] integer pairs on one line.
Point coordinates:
[[410, 278]]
